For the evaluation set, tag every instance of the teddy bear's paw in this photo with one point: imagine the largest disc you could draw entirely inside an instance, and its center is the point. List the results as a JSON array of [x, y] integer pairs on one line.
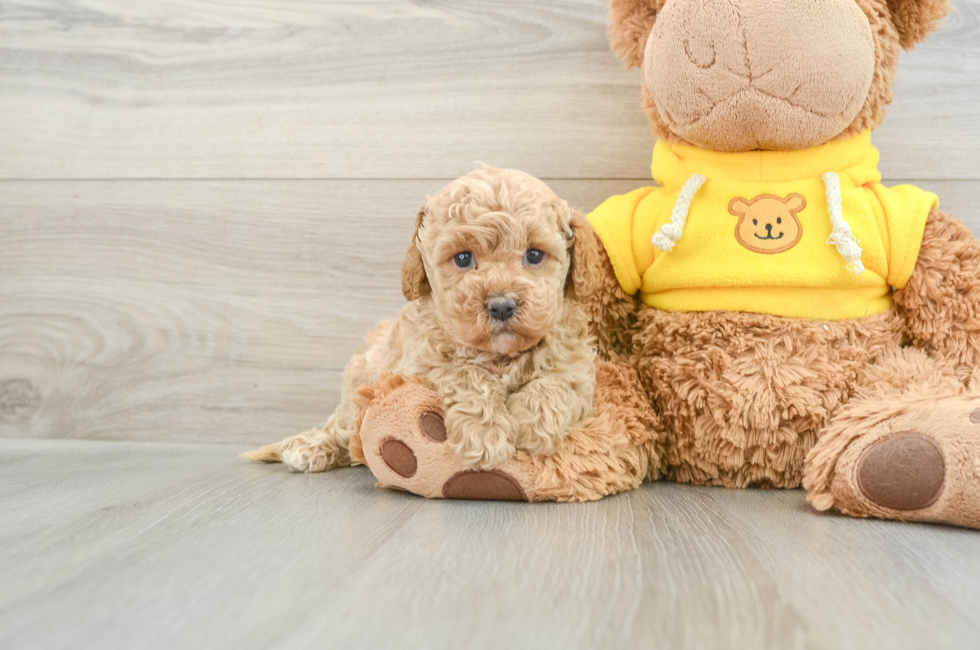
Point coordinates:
[[920, 464], [403, 440]]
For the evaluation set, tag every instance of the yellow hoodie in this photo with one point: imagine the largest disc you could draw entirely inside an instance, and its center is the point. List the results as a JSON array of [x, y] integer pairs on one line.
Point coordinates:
[[802, 234]]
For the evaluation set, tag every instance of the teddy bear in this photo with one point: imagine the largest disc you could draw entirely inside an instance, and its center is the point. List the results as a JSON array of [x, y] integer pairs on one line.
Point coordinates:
[[769, 314]]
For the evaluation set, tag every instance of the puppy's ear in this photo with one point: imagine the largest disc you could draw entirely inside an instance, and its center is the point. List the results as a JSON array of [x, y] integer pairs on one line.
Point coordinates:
[[415, 284], [916, 19], [585, 271], [630, 24]]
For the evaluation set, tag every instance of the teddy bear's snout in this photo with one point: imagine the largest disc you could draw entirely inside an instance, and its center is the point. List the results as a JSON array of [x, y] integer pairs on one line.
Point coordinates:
[[737, 75]]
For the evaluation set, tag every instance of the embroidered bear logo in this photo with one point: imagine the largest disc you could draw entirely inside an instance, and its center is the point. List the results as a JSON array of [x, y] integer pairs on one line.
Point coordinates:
[[767, 223]]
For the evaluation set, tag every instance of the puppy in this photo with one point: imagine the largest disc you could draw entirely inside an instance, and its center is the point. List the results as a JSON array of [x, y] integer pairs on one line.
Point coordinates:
[[488, 325]]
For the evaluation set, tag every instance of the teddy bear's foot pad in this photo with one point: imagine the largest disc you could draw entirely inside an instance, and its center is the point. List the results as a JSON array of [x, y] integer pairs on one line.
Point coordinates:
[[433, 427], [483, 484], [921, 462], [905, 471], [399, 457]]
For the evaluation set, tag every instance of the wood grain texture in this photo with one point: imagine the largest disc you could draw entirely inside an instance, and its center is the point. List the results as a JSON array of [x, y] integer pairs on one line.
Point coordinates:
[[379, 89], [208, 311], [220, 311], [187, 546]]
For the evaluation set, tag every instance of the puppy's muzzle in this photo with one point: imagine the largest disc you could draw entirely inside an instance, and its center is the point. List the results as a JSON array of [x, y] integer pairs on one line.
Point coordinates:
[[501, 308]]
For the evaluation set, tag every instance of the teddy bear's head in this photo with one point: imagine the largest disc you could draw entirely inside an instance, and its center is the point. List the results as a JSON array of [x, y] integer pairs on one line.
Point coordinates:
[[741, 75]]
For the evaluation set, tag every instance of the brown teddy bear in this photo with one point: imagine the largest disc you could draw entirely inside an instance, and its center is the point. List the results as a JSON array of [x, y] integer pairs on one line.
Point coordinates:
[[770, 315]]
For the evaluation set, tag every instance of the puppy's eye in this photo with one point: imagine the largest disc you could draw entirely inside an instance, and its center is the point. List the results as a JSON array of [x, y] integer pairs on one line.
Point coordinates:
[[533, 256], [755, 222], [463, 260], [779, 220]]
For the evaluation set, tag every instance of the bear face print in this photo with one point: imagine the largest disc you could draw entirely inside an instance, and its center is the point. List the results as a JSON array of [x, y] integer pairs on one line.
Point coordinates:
[[767, 223]]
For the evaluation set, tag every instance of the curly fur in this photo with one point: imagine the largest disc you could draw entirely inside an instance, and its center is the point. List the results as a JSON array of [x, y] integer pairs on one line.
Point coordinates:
[[745, 396], [915, 20], [617, 449], [523, 383], [610, 312], [939, 303]]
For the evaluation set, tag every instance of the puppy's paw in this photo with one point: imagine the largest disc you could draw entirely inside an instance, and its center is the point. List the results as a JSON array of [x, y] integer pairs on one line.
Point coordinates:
[[303, 455], [538, 428], [480, 437], [483, 453]]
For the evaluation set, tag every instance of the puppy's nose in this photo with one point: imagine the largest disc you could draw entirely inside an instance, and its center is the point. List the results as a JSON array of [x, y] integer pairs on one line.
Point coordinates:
[[501, 308], [769, 227]]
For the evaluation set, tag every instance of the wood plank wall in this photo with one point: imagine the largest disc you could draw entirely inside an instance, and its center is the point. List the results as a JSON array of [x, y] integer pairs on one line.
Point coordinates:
[[203, 205]]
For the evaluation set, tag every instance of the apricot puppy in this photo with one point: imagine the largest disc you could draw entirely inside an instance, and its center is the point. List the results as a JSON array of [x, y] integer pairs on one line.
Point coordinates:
[[488, 325]]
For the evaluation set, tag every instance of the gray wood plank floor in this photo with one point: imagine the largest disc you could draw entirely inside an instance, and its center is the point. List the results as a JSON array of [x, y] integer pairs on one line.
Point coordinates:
[[156, 545]]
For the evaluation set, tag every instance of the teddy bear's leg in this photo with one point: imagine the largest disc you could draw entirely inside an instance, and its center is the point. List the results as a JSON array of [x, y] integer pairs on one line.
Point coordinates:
[[402, 439], [906, 447]]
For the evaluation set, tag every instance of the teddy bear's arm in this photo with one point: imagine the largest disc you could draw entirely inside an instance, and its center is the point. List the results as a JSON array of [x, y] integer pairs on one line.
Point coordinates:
[[610, 310], [941, 302]]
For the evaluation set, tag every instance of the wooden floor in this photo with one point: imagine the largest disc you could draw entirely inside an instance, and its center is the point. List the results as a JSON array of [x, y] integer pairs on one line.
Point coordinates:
[[162, 545], [204, 205]]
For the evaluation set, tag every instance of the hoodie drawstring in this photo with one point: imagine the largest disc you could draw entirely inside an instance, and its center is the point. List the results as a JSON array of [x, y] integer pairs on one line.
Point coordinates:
[[841, 236], [671, 232]]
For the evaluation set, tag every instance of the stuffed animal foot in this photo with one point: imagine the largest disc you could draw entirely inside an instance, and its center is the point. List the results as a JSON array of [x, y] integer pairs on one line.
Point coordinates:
[[402, 439], [905, 457]]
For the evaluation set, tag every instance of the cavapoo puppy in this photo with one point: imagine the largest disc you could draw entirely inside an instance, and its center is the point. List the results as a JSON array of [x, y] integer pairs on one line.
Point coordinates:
[[490, 324]]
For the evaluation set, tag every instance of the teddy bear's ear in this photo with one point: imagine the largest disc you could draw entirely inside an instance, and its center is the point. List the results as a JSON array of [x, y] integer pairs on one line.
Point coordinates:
[[415, 283], [630, 23], [795, 203], [738, 207], [916, 19]]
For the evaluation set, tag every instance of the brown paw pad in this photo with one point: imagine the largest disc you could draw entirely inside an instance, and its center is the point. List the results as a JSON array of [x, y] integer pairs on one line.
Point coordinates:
[[492, 485], [433, 427], [399, 457], [905, 471]]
